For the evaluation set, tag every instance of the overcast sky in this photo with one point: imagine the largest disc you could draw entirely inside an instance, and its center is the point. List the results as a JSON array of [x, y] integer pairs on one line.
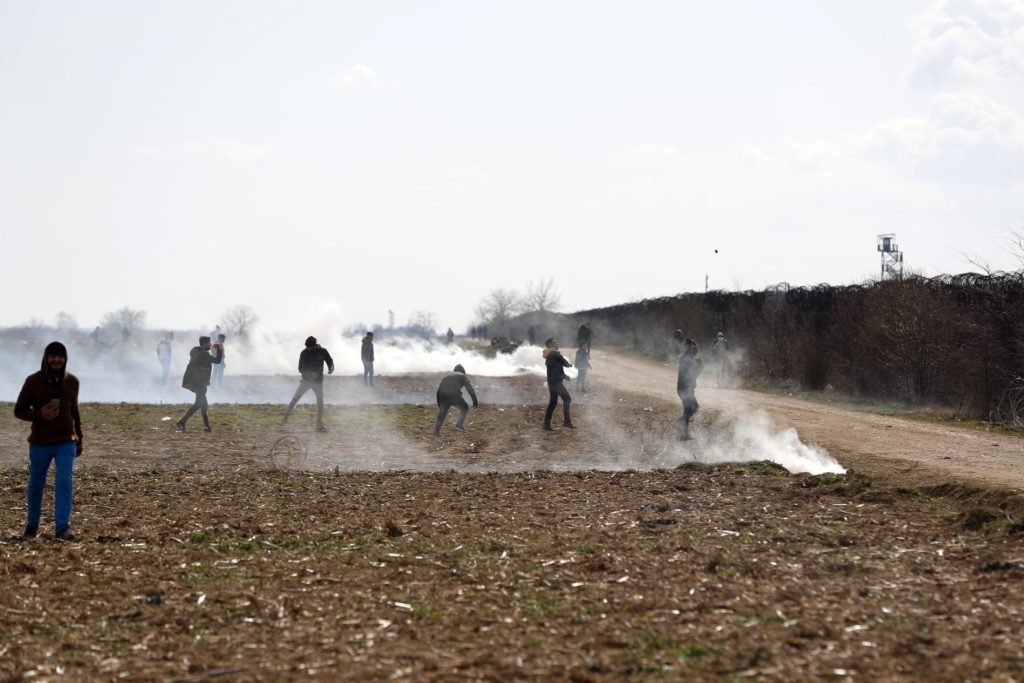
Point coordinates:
[[324, 162]]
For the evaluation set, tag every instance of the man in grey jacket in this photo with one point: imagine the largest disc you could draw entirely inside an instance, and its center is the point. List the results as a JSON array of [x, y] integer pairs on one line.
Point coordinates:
[[690, 366]]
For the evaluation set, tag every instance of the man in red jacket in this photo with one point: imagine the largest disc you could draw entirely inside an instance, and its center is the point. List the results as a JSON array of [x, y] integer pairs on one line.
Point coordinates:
[[49, 400]]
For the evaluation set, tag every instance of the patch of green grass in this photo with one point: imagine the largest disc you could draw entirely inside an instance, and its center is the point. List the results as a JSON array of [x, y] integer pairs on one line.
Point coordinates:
[[765, 467], [824, 480], [652, 642], [200, 537], [695, 651]]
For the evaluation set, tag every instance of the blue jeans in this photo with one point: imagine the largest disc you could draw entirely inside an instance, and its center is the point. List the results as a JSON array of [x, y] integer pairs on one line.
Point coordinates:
[[217, 379], [39, 458]]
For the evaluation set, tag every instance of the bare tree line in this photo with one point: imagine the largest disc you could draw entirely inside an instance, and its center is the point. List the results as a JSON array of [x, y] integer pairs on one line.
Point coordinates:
[[497, 309]]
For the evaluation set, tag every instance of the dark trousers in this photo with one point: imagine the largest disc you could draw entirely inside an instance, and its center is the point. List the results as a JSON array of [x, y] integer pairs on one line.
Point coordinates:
[[318, 391], [201, 405], [444, 405], [368, 373], [558, 390], [690, 408]]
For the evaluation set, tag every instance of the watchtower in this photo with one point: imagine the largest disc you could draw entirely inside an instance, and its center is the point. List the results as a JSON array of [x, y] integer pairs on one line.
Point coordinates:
[[892, 257]]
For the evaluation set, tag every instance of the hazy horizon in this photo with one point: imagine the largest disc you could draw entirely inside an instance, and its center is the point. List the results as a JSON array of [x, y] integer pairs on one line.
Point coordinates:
[[324, 163]]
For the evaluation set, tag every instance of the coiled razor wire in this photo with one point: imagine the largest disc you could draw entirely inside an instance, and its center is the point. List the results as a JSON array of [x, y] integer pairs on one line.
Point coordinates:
[[1010, 410], [288, 453]]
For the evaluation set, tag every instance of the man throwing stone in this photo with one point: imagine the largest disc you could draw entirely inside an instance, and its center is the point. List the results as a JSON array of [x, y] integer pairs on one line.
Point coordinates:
[[556, 364], [449, 394], [311, 367]]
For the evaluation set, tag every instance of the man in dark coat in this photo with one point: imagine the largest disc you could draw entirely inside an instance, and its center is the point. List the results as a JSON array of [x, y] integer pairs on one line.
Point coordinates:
[[556, 365], [367, 355], [49, 400], [584, 336], [690, 366], [197, 380], [311, 367], [449, 394]]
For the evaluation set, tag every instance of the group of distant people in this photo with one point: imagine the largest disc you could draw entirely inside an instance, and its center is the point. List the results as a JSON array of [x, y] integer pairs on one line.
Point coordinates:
[[49, 401]]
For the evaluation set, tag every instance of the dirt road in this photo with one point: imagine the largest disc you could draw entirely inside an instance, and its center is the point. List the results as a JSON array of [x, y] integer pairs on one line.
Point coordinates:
[[917, 453]]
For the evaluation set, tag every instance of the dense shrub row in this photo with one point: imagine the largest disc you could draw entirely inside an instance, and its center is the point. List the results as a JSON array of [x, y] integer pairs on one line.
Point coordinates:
[[956, 341]]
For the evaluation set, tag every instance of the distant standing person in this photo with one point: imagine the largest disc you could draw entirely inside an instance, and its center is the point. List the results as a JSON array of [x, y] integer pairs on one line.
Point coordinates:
[[197, 380], [163, 354], [218, 370], [556, 365], [449, 394], [584, 336], [582, 363], [367, 355], [690, 366], [49, 400], [449, 336], [311, 368], [720, 357]]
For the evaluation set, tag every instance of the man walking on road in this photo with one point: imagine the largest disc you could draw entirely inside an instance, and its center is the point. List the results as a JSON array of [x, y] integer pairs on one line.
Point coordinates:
[[449, 394], [556, 365], [690, 366], [311, 367]]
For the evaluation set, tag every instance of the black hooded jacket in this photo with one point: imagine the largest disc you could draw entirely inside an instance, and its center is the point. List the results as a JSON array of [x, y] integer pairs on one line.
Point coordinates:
[[39, 389], [311, 363], [200, 367], [556, 364]]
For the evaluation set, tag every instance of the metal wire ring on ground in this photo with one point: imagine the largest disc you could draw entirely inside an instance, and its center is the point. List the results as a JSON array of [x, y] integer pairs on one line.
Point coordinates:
[[288, 452]]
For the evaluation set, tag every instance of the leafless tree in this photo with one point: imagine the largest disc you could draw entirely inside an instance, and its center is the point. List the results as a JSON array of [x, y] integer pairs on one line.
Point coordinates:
[[238, 321], [1015, 245], [542, 296], [498, 307], [126, 320], [423, 323], [66, 322]]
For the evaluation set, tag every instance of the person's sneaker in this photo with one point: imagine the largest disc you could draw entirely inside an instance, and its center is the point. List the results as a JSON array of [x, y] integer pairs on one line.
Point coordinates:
[[569, 425], [179, 425], [64, 535], [685, 436], [207, 429], [459, 429], [31, 530], [549, 428]]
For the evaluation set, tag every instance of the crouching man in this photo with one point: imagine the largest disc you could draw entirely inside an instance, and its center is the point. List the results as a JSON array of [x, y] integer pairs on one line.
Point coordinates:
[[49, 400], [449, 394]]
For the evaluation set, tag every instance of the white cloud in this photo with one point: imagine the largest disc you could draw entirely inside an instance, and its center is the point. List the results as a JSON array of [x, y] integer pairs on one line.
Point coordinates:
[[207, 148], [969, 41], [357, 76], [964, 138]]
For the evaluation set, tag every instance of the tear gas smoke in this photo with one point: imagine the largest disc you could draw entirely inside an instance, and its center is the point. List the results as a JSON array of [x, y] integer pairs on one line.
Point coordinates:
[[262, 370]]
